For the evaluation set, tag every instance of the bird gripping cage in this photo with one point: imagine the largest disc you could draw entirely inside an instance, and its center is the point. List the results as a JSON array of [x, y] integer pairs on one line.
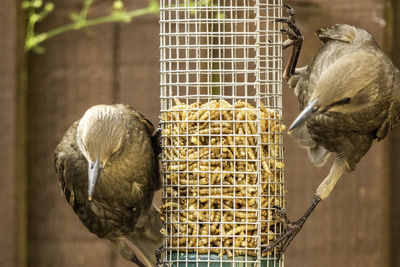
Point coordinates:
[[221, 69]]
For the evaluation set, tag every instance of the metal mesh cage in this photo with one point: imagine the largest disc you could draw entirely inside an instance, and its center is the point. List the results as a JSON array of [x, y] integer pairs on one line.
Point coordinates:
[[221, 69]]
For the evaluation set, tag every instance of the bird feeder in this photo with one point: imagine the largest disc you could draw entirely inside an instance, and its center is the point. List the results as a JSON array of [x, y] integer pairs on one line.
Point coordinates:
[[221, 107]]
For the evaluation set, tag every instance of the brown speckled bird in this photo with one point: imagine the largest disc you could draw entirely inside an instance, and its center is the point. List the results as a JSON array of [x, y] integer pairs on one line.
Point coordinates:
[[349, 95], [107, 165]]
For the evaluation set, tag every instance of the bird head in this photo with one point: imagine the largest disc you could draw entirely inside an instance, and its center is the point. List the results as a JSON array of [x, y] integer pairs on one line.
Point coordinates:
[[344, 95], [344, 33], [101, 134], [318, 106]]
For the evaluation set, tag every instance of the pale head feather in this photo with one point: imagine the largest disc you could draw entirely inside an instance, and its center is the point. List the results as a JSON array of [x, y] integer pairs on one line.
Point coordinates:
[[101, 132]]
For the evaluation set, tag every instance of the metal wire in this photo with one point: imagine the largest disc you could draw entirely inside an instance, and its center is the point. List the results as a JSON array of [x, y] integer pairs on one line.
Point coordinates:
[[220, 70]]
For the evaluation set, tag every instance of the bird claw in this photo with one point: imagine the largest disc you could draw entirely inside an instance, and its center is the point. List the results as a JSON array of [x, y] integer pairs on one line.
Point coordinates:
[[295, 39], [293, 32], [290, 230], [292, 13], [279, 213]]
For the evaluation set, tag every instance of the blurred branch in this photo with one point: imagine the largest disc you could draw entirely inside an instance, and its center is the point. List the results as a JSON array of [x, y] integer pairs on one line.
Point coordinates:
[[37, 12]]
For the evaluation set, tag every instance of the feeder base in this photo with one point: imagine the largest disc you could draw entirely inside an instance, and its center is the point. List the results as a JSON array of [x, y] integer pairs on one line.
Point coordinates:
[[204, 260]]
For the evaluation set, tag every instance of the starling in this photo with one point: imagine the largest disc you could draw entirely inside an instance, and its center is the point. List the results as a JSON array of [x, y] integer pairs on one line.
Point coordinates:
[[107, 165], [349, 95]]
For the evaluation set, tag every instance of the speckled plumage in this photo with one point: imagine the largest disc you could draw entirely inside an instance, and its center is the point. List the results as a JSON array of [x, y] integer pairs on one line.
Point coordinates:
[[129, 178]]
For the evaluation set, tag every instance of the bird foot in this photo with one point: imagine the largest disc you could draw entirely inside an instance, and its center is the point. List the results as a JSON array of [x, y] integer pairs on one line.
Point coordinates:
[[295, 40], [158, 254], [290, 229], [293, 32]]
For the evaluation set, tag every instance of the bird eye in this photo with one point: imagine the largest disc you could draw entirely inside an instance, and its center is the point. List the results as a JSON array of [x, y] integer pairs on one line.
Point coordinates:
[[345, 100], [91, 166], [342, 101]]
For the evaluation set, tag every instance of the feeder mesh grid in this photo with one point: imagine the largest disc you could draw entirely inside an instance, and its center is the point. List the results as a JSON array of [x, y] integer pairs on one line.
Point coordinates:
[[222, 160]]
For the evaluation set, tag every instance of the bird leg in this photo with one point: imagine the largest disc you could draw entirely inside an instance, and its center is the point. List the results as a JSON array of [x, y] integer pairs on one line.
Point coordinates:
[[295, 40], [290, 229], [327, 185]]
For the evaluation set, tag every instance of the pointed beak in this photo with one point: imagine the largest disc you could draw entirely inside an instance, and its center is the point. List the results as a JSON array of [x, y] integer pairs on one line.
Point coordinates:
[[94, 174], [309, 111]]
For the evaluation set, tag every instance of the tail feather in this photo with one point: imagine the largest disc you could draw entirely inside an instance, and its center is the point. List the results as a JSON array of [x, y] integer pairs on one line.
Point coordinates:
[[146, 236]]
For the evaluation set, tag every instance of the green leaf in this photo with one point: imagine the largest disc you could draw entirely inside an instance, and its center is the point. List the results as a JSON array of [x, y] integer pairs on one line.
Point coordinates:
[[118, 5], [78, 20], [75, 17], [154, 6], [38, 49], [36, 3], [48, 7], [25, 4]]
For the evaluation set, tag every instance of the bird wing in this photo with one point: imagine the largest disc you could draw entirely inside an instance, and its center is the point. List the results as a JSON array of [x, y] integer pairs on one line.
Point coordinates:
[[393, 114], [154, 134], [359, 70], [146, 235], [155, 142], [70, 165], [148, 125]]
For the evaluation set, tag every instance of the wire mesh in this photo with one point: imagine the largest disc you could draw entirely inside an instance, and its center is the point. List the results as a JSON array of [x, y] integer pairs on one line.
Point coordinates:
[[221, 68]]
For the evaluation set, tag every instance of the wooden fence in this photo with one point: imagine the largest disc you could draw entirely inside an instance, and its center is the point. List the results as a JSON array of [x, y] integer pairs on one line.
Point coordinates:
[[41, 95]]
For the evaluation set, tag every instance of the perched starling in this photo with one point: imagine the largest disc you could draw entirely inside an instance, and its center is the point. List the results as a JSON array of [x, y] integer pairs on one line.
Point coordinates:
[[107, 165], [349, 95]]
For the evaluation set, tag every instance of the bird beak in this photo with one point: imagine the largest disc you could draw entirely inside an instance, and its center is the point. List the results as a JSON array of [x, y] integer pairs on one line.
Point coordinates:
[[94, 174], [309, 111]]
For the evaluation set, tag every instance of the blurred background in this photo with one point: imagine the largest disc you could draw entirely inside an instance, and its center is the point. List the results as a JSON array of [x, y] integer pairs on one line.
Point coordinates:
[[42, 94]]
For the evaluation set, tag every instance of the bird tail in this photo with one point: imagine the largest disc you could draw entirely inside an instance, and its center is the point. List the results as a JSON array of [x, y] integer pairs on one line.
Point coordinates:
[[318, 154], [146, 236]]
